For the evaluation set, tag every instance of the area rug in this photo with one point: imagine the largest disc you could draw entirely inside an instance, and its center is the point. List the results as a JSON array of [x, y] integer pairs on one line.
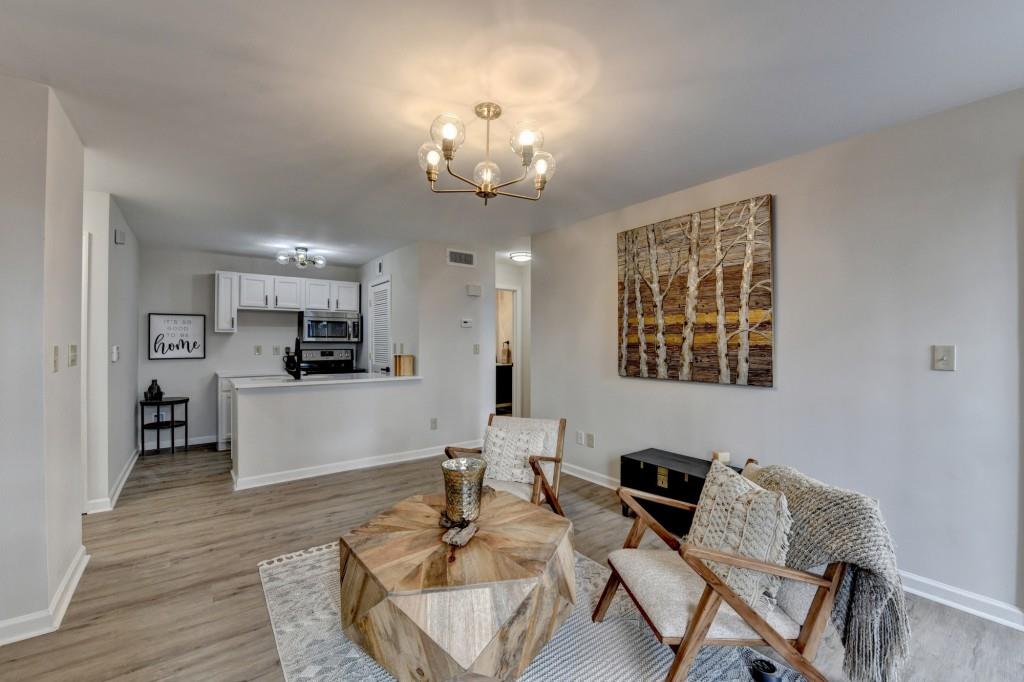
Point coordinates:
[[302, 595]]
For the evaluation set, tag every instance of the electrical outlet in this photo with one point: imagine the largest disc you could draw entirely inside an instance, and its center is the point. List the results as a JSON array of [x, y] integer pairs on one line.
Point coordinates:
[[476, 349], [590, 440], [72, 355], [56, 358], [115, 353], [277, 350], [433, 423], [257, 350], [580, 438]]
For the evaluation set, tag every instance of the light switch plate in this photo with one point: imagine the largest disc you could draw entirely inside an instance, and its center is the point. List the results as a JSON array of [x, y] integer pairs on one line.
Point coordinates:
[[580, 438], [115, 353], [944, 358], [476, 349], [590, 440]]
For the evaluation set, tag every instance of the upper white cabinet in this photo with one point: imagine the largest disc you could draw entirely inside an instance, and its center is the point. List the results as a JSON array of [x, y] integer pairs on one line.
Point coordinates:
[[320, 294], [255, 291], [345, 296], [288, 293], [225, 318], [248, 291]]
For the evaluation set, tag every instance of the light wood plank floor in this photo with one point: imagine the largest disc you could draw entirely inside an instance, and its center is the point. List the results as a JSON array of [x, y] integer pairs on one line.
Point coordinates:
[[172, 591]]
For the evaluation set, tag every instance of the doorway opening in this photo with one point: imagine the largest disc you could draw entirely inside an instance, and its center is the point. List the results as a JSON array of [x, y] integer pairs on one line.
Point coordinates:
[[506, 390]]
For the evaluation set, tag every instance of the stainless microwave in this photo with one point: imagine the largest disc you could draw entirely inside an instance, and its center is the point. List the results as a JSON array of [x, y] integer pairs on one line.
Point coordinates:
[[330, 327]]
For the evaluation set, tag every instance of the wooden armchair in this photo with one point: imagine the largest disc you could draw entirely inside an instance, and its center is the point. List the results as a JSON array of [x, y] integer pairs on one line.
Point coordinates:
[[546, 465], [664, 586]]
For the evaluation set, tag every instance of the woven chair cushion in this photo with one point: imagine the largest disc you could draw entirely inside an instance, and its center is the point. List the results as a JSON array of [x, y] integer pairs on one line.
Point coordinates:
[[507, 453], [521, 490], [737, 516], [668, 590], [547, 427]]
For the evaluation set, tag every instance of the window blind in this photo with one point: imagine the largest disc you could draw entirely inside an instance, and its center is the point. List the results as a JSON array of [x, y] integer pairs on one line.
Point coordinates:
[[380, 325]]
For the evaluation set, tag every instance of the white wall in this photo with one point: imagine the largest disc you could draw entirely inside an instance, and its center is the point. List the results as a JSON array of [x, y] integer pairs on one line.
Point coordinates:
[[123, 375], [402, 268], [428, 302], [62, 310], [23, 560], [509, 275], [112, 408], [96, 233], [181, 281], [41, 171], [884, 245]]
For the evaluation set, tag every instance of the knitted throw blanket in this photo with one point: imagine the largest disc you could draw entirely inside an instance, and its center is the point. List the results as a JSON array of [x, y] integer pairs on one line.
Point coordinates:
[[829, 525]]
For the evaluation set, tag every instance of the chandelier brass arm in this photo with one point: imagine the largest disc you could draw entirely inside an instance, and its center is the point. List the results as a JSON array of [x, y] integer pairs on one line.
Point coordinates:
[[519, 196], [448, 165]]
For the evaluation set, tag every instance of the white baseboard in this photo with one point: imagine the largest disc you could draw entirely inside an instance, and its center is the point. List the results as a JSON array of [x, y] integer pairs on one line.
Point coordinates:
[[122, 478], [602, 480], [348, 465], [963, 600], [41, 622], [105, 504], [97, 505], [179, 442]]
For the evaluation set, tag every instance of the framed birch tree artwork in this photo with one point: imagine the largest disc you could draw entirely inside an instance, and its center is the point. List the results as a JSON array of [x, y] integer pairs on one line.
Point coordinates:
[[695, 296]]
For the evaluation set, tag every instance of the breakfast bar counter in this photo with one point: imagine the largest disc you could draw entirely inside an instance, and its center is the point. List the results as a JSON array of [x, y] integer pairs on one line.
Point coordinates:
[[285, 429]]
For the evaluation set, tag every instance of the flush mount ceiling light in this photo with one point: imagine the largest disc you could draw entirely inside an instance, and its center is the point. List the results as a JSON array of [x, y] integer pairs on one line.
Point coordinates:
[[300, 256], [520, 256], [448, 133]]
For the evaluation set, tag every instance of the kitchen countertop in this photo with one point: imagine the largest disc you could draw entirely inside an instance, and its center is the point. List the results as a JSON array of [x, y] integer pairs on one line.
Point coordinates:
[[243, 383], [237, 375]]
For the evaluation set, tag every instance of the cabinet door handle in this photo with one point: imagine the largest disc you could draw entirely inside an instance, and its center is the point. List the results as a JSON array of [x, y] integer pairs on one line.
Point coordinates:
[[266, 299], [232, 321], [275, 300], [336, 303]]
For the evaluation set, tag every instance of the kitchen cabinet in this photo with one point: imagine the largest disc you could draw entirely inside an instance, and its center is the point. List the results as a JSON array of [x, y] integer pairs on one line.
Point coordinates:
[[254, 291], [225, 318], [345, 296], [320, 294], [251, 291], [288, 293]]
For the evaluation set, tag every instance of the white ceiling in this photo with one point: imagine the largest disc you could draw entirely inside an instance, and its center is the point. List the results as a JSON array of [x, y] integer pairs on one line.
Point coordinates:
[[241, 126]]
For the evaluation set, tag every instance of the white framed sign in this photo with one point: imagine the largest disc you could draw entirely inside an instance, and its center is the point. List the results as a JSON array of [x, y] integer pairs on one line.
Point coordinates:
[[177, 337]]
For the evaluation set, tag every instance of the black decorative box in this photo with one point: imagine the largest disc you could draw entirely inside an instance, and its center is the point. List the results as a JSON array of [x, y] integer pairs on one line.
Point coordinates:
[[665, 473]]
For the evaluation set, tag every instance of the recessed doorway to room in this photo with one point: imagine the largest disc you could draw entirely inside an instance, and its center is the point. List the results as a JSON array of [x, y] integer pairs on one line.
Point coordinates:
[[512, 335], [504, 385]]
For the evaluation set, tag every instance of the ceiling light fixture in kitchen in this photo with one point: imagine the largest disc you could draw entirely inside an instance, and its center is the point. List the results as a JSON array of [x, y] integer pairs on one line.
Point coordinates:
[[448, 133], [520, 256], [300, 256]]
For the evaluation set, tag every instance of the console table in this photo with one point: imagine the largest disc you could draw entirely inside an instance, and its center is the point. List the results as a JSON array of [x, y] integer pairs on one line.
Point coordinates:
[[668, 474], [160, 424]]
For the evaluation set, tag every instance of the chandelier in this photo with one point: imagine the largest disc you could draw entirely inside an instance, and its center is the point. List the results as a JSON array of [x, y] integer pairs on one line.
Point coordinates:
[[448, 133], [300, 256]]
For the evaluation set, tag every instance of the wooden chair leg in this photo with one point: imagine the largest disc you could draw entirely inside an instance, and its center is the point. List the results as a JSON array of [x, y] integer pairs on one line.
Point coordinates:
[[606, 597], [696, 631]]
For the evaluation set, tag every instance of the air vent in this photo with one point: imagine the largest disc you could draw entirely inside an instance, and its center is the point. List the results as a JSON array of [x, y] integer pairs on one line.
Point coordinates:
[[466, 259]]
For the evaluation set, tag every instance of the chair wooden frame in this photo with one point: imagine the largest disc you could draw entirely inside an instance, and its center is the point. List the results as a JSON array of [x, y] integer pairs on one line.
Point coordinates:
[[541, 484], [798, 653]]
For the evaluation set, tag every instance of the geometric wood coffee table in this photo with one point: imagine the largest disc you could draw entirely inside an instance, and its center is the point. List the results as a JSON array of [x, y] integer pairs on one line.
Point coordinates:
[[427, 611]]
